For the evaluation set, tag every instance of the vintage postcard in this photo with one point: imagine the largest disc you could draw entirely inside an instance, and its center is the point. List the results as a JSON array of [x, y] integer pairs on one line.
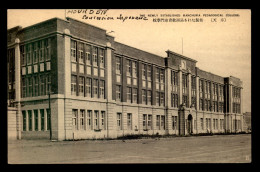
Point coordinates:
[[120, 86]]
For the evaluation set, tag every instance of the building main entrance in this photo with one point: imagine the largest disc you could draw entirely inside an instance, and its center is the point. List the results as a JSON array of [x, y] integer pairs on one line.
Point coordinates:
[[189, 124]]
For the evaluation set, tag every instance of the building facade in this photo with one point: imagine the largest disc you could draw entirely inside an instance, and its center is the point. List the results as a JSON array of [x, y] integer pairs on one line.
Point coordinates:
[[72, 80]]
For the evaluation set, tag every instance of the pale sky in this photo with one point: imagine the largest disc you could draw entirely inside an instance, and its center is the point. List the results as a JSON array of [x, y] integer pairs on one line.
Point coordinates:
[[222, 48]]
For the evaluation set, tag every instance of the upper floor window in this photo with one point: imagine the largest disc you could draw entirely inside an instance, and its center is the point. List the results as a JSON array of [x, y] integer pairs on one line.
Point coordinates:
[[47, 49], [81, 86], [73, 51], [95, 88], [129, 94], [88, 57], [73, 85], [134, 69], [174, 78], [95, 60], [162, 76], [22, 54], [102, 58], [118, 65], [134, 95], [143, 71], [128, 68], [28, 53], [149, 73], [102, 89], [81, 53], [118, 92]]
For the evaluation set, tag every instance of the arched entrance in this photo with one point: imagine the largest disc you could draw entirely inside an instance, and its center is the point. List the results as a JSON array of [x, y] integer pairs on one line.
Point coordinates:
[[189, 124]]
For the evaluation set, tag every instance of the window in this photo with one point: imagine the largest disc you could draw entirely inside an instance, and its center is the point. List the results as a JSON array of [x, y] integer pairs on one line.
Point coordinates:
[[144, 96], [95, 60], [157, 98], [48, 90], [42, 86], [88, 57], [118, 92], [36, 85], [30, 119], [162, 99], [149, 73], [95, 88], [103, 120], [89, 119], [162, 122], [119, 122], [24, 120], [157, 79], [162, 76], [23, 87], [88, 87], [73, 85], [158, 122], [22, 54], [201, 123], [149, 97], [118, 65], [73, 51], [81, 120], [134, 95], [147, 122], [129, 121], [175, 100], [144, 121], [174, 122], [42, 119], [36, 120], [102, 89], [28, 54], [47, 49], [128, 68], [74, 119], [143, 71], [129, 94], [102, 58], [134, 69], [35, 52], [41, 52], [81, 60], [81, 86], [29, 87], [96, 120]]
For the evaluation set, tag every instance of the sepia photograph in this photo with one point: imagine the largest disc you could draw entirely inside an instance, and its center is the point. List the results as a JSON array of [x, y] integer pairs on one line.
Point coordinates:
[[128, 86]]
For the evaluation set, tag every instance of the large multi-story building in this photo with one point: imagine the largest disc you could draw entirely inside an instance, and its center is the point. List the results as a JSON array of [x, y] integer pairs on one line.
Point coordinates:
[[75, 80]]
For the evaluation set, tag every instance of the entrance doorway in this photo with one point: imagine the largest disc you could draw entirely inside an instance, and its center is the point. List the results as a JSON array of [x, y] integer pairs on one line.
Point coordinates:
[[189, 124]]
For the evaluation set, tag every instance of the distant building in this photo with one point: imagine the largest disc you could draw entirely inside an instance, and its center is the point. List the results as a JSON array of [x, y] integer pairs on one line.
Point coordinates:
[[100, 88]]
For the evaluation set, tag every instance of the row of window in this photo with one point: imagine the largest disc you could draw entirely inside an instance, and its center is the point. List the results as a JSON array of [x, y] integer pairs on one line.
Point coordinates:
[[87, 54], [237, 124], [36, 85], [87, 87], [206, 105], [215, 125], [236, 108], [205, 89], [35, 52], [36, 120], [88, 120]]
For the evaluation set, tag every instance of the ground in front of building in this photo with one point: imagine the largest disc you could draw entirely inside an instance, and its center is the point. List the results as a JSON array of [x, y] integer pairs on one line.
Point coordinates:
[[194, 149]]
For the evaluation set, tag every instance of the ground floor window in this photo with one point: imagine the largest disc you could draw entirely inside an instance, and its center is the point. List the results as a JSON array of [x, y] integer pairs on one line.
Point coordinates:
[[30, 119], [147, 122], [74, 119], [174, 122], [129, 121], [119, 121], [24, 120], [36, 120], [201, 123]]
